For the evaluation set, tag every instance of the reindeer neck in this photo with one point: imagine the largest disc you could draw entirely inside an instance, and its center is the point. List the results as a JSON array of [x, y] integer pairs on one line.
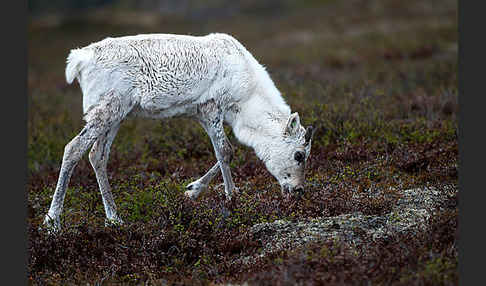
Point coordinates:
[[259, 121]]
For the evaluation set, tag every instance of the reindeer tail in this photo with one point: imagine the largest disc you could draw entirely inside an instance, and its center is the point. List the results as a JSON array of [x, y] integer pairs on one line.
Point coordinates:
[[76, 61]]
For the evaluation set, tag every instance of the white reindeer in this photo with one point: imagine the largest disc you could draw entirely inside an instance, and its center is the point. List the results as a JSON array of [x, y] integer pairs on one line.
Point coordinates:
[[212, 79]]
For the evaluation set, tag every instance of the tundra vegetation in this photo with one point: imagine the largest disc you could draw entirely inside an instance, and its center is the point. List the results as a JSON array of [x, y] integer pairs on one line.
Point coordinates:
[[378, 81]]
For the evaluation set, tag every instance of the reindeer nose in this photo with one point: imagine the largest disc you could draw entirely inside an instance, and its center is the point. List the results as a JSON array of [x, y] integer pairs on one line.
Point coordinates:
[[298, 189]]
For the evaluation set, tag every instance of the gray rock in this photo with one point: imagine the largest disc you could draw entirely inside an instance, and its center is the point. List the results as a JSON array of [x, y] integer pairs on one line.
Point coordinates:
[[410, 214]]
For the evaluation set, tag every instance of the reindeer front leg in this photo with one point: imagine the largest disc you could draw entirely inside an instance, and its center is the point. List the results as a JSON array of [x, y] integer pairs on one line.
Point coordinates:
[[197, 187], [211, 118]]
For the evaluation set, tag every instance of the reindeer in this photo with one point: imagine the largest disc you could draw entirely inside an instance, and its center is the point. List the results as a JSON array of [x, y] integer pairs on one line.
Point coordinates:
[[212, 79]]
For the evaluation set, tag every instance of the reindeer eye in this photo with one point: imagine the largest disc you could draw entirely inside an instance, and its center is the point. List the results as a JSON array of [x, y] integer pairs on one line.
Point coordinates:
[[299, 156], [293, 123]]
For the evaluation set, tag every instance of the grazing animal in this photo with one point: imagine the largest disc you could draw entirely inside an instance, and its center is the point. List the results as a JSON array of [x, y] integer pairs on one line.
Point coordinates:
[[211, 78]]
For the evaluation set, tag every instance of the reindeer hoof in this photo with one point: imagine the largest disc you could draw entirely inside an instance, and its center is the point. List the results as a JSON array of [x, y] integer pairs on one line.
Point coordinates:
[[194, 189], [116, 221], [52, 225], [233, 192], [190, 194]]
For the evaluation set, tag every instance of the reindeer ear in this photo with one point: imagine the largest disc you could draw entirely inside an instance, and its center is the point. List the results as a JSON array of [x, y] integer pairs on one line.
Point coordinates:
[[293, 124]]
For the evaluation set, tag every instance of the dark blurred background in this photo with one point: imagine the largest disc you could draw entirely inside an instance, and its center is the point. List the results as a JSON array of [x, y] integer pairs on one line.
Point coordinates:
[[152, 11], [317, 35], [187, 8], [325, 56]]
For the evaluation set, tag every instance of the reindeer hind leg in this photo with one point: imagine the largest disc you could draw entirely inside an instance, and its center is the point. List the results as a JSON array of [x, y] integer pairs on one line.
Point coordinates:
[[98, 158], [73, 151], [106, 114]]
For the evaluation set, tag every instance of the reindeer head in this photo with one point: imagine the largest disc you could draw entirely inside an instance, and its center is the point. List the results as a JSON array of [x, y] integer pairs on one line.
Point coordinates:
[[288, 154]]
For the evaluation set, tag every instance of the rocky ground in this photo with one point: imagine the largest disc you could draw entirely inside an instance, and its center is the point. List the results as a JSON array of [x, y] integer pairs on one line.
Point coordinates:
[[411, 214]]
